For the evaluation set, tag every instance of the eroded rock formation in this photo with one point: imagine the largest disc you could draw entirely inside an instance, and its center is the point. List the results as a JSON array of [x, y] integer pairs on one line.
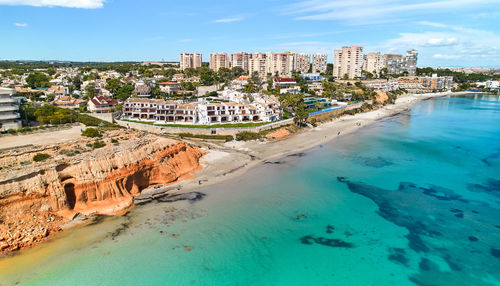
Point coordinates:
[[36, 198]]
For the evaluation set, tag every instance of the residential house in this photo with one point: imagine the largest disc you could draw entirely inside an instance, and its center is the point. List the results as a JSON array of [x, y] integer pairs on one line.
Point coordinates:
[[101, 104], [169, 87], [69, 102]]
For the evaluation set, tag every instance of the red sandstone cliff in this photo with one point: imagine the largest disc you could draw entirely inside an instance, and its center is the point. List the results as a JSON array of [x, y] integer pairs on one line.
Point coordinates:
[[36, 198]]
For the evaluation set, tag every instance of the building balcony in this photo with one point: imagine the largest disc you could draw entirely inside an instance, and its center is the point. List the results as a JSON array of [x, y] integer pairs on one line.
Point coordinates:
[[8, 108], [11, 116], [7, 100]]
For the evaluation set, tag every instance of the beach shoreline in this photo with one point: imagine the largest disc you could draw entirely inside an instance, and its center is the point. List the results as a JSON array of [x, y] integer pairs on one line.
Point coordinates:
[[228, 161], [233, 159]]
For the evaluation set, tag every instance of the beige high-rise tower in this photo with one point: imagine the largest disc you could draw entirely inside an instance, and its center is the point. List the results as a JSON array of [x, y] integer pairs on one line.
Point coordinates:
[[301, 62], [240, 60], [319, 63], [257, 63], [188, 60], [348, 61], [373, 63], [218, 61]]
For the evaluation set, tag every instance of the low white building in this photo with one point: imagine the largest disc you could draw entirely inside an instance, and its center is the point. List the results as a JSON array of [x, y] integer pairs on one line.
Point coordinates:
[[161, 111], [9, 117], [169, 87]]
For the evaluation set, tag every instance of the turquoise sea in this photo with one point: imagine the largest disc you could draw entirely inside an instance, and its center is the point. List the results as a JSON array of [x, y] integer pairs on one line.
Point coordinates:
[[410, 200]]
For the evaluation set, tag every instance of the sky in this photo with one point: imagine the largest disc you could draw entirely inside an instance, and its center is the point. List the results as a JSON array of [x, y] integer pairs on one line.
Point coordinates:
[[447, 33]]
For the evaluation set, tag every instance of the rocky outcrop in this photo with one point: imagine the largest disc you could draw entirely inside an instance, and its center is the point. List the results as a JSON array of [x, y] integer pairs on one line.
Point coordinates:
[[36, 198]]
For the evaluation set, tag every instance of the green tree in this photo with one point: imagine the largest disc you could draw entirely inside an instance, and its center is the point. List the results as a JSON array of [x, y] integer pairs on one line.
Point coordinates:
[[37, 79], [90, 91], [77, 82], [124, 92], [113, 84]]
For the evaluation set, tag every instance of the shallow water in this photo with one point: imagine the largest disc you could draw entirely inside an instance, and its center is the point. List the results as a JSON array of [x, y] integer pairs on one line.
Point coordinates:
[[411, 200]]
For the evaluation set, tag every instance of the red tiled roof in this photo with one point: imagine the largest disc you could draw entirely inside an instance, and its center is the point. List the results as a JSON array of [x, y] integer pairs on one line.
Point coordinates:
[[102, 100], [168, 83], [284, 79]]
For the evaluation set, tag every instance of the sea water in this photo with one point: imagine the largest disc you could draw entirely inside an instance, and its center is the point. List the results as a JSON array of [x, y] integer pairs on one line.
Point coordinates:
[[410, 200]]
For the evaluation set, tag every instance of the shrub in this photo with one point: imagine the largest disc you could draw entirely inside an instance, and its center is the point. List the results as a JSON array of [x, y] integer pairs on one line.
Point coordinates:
[[12, 131], [226, 138], [41, 157], [98, 144], [246, 136], [24, 129], [114, 141], [92, 133]]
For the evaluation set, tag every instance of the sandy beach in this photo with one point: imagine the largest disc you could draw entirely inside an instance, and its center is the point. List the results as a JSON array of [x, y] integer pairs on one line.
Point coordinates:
[[233, 159]]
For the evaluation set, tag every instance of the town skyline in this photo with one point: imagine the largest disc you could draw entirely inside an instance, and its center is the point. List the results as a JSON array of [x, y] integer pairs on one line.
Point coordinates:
[[446, 33]]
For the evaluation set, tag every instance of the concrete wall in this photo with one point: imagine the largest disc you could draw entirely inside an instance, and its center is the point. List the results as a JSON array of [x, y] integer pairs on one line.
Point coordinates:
[[103, 116], [202, 90], [208, 131]]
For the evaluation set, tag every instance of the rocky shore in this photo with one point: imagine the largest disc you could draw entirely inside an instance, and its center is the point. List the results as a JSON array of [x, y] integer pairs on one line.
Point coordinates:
[[38, 199]]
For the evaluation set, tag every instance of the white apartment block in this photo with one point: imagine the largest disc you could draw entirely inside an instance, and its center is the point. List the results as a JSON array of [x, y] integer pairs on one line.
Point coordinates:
[[348, 61], [218, 61], [190, 61], [301, 62], [319, 63], [9, 117], [373, 63], [240, 60], [161, 111], [257, 63]]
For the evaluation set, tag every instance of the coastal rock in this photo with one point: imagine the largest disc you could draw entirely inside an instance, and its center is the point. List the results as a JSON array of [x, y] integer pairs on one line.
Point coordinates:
[[98, 181]]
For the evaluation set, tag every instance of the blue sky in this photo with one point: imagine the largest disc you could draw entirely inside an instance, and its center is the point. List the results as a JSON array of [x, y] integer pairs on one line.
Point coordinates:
[[445, 32]]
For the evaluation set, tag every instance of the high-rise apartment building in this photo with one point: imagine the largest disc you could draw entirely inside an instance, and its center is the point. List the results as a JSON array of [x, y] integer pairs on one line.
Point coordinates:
[[188, 60], [411, 62], [301, 62], [218, 61], [394, 63], [241, 60], [398, 64], [319, 63], [279, 63], [257, 63], [348, 62], [373, 63]]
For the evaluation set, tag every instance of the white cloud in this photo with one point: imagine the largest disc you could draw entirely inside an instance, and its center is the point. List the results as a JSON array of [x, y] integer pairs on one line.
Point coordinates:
[[86, 4], [441, 42], [227, 20], [22, 25], [374, 11], [445, 57], [449, 45]]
